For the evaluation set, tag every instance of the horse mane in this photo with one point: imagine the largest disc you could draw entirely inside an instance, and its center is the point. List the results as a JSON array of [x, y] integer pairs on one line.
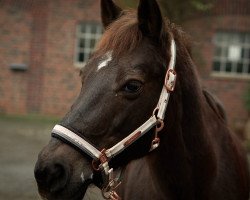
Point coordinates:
[[216, 105], [124, 35]]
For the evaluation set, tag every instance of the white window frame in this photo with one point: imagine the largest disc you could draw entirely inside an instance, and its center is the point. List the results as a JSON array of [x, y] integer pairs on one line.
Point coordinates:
[[230, 46], [87, 36]]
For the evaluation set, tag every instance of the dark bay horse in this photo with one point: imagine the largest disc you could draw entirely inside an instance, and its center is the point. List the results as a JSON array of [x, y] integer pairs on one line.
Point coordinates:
[[178, 147]]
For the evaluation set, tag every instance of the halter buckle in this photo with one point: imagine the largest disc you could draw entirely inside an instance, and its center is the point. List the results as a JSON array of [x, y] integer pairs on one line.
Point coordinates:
[[103, 159], [170, 80]]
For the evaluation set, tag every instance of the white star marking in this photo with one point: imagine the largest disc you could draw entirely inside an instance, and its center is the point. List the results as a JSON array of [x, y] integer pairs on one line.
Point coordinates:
[[104, 63]]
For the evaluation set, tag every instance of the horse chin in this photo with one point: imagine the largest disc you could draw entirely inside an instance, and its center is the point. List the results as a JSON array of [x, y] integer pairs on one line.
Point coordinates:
[[74, 193]]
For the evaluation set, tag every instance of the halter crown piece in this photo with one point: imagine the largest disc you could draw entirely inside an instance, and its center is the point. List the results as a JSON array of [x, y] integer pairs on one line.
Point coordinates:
[[102, 158]]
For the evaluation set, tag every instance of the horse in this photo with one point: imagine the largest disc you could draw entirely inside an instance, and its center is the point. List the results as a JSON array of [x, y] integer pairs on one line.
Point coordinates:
[[142, 126]]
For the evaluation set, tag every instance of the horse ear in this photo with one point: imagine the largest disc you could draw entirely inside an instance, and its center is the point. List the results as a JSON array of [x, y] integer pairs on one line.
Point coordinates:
[[149, 18], [109, 12]]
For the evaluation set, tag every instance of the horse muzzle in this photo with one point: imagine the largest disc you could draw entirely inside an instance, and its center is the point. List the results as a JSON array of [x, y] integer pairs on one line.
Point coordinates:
[[62, 173]]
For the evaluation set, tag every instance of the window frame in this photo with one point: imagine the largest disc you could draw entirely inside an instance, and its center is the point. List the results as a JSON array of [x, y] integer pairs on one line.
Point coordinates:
[[87, 36], [223, 58]]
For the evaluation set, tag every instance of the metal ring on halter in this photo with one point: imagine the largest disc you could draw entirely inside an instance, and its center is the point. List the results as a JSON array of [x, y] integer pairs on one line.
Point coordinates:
[[155, 111], [102, 159], [95, 164], [156, 141], [159, 125]]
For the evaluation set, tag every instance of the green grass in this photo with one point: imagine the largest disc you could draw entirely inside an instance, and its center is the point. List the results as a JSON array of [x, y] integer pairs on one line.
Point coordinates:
[[30, 118]]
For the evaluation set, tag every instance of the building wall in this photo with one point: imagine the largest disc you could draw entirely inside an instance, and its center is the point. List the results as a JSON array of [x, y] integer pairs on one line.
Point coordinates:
[[41, 34], [230, 90], [15, 39], [61, 77]]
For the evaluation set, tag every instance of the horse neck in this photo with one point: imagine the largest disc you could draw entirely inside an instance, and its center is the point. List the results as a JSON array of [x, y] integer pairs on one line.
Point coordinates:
[[185, 146]]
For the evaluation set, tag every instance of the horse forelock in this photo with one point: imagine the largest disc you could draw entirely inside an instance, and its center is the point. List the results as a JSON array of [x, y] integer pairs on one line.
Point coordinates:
[[122, 35]]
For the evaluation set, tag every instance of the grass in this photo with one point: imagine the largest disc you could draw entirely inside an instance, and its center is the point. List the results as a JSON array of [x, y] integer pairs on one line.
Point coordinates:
[[30, 118]]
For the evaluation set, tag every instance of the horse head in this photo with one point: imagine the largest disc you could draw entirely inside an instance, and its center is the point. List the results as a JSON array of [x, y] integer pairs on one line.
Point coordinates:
[[121, 85]]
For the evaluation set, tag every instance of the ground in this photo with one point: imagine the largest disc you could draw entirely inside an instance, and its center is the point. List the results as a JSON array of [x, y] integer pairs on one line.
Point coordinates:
[[21, 140]]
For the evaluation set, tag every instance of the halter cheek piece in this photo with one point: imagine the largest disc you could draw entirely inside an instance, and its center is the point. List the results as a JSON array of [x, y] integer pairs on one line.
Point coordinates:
[[102, 158]]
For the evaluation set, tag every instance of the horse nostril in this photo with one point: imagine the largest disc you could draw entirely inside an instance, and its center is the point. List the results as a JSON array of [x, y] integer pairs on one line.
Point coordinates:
[[60, 176], [52, 177], [41, 174]]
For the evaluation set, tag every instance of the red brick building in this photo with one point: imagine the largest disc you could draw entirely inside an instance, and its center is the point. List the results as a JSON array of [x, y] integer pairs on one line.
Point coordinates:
[[222, 54], [43, 43]]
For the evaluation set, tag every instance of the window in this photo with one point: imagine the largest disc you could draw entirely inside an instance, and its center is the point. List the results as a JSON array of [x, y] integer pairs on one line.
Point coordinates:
[[87, 35], [232, 53]]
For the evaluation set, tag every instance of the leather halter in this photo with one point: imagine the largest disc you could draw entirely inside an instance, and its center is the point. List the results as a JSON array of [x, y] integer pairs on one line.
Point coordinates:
[[102, 158]]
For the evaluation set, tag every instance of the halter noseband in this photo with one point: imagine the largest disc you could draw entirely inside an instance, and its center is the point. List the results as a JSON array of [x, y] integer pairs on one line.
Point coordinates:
[[102, 158]]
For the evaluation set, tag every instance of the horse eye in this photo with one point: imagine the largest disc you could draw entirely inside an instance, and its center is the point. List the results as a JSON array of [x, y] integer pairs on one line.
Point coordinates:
[[132, 86]]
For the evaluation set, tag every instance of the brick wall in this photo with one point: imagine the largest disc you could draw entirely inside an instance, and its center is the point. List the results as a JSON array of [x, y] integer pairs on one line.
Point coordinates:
[[61, 78], [15, 37], [231, 7], [38, 44], [229, 90], [41, 34]]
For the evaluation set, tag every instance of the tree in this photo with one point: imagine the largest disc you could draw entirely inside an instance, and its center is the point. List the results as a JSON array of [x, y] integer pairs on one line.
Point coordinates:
[[179, 10], [176, 10]]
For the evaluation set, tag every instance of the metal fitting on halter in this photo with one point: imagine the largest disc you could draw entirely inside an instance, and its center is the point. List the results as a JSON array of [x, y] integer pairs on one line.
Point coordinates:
[[170, 80], [156, 141], [99, 163], [102, 165], [108, 191]]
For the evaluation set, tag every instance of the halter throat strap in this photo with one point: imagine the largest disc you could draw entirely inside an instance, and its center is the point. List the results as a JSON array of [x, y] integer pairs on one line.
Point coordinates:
[[104, 156]]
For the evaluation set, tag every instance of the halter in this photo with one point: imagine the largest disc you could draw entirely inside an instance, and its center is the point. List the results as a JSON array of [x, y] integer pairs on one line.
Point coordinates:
[[102, 158]]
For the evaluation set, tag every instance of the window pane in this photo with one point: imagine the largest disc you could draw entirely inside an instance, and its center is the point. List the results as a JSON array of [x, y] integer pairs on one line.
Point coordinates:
[[216, 66], [81, 57], [93, 28], [239, 68], [225, 52], [243, 53], [234, 38], [218, 51], [92, 43], [219, 37], [82, 43], [232, 52], [228, 66], [247, 38], [86, 40], [226, 38], [242, 38]]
